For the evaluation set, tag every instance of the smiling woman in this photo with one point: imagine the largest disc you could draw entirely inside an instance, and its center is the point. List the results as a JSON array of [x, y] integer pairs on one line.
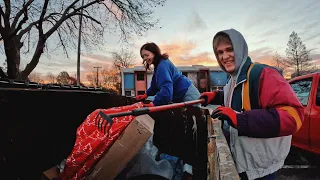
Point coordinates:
[[168, 85]]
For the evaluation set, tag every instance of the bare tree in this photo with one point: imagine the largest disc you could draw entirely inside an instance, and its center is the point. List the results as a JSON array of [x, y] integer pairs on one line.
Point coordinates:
[[278, 61], [298, 55], [122, 59], [36, 77], [110, 78], [73, 81], [51, 78], [63, 78], [92, 79], [27, 25]]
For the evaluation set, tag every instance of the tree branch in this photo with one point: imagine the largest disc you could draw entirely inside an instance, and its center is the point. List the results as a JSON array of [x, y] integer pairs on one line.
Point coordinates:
[[24, 20], [88, 17], [6, 16], [62, 43], [115, 15], [66, 16], [7, 4], [28, 28], [2, 74], [1, 17], [1, 12], [19, 14], [70, 6], [41, 18]]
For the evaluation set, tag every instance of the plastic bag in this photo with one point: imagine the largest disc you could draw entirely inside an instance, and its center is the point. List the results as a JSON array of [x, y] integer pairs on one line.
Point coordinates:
[[144, 163]]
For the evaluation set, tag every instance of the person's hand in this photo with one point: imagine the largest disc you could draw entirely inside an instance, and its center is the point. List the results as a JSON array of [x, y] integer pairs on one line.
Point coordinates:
[[208, 97], [148, 104], [141, 97], [226, 113]]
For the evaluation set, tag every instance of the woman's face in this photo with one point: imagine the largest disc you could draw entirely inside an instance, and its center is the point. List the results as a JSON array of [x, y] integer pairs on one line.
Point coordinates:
[[147, 56]]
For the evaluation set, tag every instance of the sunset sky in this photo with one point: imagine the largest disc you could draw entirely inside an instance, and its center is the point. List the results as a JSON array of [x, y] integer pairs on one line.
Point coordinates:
[[188, 27]]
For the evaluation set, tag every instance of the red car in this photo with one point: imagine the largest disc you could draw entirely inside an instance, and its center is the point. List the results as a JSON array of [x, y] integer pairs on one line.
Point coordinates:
[[307, 89]]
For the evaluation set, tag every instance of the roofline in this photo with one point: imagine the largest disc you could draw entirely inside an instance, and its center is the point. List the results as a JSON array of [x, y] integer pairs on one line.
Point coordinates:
[[193, 68]]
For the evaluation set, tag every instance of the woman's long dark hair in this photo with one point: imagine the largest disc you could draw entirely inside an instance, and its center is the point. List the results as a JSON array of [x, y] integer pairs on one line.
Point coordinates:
[[152, 47]]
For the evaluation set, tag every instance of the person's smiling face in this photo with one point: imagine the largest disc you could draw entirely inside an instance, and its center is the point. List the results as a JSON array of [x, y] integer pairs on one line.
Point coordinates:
[[147, 56], [226, 56]]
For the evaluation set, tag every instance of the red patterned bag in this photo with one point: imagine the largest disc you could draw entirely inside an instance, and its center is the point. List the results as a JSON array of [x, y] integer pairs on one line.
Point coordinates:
[[91, 144]]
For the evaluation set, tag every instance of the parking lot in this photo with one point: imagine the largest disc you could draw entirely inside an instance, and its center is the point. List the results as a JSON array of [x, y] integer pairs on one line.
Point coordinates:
[[300, 165]]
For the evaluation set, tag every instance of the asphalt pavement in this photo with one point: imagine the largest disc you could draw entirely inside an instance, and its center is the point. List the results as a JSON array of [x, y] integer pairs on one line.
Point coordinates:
[[300, 164]]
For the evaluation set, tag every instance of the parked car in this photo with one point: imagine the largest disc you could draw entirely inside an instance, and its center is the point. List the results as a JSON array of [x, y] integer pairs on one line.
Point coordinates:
[[307, 89]]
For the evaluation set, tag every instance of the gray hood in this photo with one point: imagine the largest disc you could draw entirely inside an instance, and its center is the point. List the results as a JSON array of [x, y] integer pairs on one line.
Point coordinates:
[[240, 49]]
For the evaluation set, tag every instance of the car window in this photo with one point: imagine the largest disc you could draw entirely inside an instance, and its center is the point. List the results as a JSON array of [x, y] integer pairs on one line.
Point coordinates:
[[318, 95], [302, 89]]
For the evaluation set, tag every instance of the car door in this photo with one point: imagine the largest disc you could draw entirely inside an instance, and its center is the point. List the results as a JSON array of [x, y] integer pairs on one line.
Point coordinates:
[[315, 119], [302, 88]]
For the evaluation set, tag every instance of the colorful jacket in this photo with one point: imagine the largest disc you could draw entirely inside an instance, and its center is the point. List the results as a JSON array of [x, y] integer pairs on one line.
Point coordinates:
[[275, 109], [167, 84], [269, 112]]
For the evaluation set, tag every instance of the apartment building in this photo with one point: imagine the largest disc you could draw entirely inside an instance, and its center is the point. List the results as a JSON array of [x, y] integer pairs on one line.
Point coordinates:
[[136, 80]]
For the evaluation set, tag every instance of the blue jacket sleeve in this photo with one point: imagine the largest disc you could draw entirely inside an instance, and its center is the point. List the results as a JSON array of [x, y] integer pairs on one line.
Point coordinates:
[[165, 84], [153, 89]]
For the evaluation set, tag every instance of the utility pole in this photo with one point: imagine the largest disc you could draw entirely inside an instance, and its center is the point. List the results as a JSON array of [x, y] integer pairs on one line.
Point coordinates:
[[97, 74], [79, 46]]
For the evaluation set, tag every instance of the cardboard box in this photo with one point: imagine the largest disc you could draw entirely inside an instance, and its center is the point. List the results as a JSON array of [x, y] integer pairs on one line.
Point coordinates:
[[51, 173], [124, 149]]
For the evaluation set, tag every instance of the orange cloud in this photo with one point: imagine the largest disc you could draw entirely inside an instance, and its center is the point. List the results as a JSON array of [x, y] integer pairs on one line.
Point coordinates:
[[90, 61], [267, 59], [262, 55], [181, 53], [316, 58]]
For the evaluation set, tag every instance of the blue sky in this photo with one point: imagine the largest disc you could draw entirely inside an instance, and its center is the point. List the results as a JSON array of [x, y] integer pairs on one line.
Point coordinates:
[[189, 25]]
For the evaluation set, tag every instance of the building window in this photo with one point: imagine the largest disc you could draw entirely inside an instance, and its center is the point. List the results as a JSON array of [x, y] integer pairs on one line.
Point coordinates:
[[140, 76], [202, 75], [127, 93], [185, 74], [141, 92]]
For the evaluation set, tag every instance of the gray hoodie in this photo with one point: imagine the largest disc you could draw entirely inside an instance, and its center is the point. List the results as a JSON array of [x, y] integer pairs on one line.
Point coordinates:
[[257, 157], [240, 49]]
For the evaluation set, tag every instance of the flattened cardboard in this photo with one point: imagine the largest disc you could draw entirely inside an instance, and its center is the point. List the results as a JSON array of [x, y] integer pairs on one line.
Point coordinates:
[[123, 150], [50, 174]]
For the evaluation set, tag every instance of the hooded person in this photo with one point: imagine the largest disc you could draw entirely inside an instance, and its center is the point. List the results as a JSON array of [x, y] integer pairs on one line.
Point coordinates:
[[259, 107]]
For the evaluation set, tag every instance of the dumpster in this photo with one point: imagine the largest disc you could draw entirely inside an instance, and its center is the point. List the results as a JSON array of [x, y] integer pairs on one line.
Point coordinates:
[[38, 125]]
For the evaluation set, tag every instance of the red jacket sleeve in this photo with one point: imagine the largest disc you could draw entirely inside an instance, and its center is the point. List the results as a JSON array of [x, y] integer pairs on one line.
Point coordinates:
[[281, 113], [276, 92]]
